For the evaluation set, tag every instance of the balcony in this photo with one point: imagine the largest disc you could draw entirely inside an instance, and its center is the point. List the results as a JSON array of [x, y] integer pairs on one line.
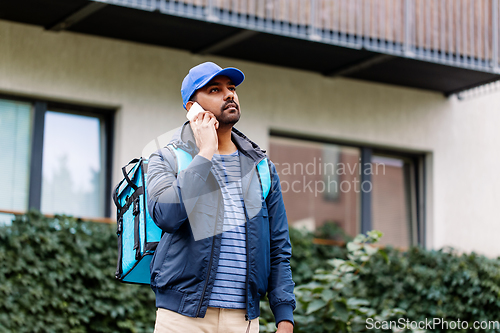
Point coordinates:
[[441, 45]]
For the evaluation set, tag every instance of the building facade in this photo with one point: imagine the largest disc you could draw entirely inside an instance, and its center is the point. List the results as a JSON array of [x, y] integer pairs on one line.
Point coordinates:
[[75, 108]]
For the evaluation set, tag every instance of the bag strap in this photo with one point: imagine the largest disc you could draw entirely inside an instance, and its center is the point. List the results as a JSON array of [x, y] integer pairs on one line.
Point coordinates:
[[117, 187], [115, 196], [136, 212], [182, 157], [265, 177], [124, 171]]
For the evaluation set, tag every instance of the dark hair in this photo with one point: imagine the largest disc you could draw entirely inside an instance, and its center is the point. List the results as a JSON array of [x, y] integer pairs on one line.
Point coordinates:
[[193, 97]]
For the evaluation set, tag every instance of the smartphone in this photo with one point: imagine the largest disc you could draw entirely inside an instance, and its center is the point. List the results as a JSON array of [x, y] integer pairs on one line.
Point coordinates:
[[194, 110]]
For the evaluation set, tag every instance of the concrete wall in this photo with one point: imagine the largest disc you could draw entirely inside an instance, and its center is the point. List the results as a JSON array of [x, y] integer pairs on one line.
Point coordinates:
[[143, 83]]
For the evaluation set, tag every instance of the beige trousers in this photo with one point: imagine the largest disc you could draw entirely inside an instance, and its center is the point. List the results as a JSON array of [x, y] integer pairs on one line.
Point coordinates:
[[216, 320]]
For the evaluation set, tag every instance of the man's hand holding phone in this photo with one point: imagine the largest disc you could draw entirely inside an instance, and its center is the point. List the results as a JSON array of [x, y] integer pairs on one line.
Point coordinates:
[[204, 126]]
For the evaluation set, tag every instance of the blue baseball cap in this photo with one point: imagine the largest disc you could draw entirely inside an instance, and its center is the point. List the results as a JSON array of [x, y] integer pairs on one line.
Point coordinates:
[[200, 75]]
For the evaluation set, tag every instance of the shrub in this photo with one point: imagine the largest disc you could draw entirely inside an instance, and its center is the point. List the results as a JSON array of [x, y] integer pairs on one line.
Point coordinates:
[[57, 275], [434, 284], [330, 302], [307, 256], [414, 285]]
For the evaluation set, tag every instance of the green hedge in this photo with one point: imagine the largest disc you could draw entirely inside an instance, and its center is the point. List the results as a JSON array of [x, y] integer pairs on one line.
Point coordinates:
[[57, 275], [417, 284], [434, 284], [307, 256]]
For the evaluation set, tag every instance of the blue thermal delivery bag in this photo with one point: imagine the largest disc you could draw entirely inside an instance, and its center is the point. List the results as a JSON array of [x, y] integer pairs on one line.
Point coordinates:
[[138, 235]]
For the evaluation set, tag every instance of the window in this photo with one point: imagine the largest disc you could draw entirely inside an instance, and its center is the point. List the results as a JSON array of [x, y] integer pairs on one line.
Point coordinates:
[[319, 182], [72, 167], [15, 145], [358, 188], [393, 198], [57, 158]]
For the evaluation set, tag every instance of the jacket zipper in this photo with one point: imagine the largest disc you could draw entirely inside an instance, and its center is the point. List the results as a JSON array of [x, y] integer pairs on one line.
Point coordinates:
[[246, 243], [248, 263], [209, 264]]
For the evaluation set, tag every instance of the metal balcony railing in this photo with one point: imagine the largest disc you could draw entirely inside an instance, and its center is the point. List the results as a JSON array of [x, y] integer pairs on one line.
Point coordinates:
[[460, 33]]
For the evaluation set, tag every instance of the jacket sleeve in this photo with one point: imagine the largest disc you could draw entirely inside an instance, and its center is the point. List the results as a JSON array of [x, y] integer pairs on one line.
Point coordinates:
[[165, 192], [281, 285]]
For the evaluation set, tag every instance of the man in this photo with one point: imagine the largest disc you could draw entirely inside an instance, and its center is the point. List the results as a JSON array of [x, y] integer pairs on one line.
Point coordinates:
[[226, 243]]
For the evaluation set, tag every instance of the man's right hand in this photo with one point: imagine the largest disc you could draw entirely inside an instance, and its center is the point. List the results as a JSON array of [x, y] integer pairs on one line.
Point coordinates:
[[204, 126]]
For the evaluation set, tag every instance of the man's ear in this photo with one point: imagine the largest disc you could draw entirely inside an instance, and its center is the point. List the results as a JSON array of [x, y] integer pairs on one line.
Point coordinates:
[[189, 104]]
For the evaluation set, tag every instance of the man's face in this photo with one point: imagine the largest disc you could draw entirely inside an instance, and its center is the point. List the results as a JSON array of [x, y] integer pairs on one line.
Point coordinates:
[[219, 97]]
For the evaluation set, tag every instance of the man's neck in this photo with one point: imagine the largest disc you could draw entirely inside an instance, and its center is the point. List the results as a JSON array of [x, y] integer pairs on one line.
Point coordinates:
[[226, 145]]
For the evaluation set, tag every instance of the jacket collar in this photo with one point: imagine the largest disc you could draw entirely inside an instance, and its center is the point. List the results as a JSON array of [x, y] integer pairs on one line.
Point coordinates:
[[185, 140]]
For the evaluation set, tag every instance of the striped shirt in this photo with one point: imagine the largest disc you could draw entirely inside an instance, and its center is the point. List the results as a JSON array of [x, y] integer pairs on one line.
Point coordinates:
[[230, 280]]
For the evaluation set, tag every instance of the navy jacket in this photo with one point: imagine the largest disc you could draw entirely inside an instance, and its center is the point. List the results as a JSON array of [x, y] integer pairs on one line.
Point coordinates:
[[189, 208]]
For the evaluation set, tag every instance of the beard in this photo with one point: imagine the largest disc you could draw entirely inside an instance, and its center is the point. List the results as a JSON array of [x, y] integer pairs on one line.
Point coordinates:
[[226, 117]]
